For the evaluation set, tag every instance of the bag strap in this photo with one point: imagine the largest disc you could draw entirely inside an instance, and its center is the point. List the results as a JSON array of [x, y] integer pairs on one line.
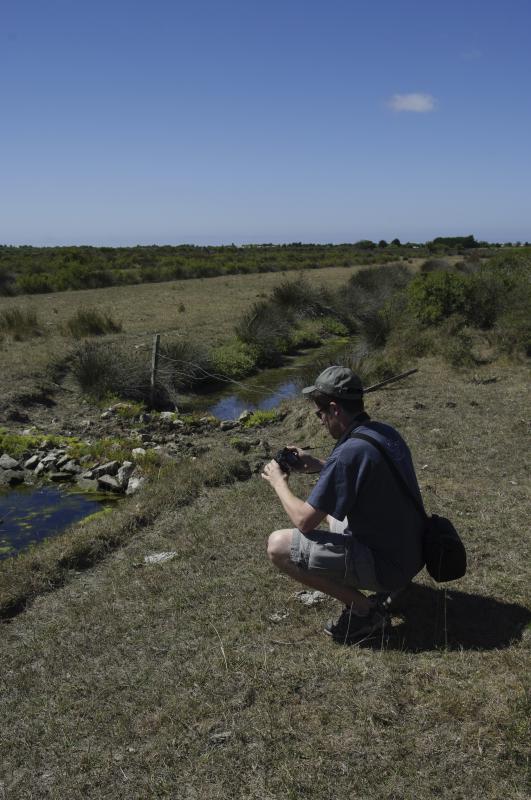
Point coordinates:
[[394, 469]]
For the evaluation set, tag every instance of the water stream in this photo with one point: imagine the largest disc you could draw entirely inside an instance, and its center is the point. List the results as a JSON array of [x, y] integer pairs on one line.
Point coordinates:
[[269, 387], [29, 514]]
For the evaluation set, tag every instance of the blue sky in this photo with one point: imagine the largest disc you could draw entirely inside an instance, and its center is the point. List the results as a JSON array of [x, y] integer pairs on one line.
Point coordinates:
[[251, 121]]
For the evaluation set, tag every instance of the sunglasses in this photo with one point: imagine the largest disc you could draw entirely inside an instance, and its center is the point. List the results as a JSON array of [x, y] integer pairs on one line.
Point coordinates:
[[321, 412]]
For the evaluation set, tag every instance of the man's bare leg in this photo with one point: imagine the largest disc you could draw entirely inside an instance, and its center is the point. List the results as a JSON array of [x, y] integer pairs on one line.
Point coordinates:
[[279, 551]]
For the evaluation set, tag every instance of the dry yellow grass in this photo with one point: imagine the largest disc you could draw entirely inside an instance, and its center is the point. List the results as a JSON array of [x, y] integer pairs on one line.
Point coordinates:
[[172, 681]]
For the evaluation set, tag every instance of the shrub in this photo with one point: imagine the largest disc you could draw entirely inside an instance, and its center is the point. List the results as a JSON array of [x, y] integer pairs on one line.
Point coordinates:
[[260, 418], [7, 282], [91, 322], [34, 284], [437, 295], [103, 370], [299, 298], [308, 333], [512, 332], [183, 365], [267, 328], [234, 359], [20, 323], [381, 281], [434, 264]]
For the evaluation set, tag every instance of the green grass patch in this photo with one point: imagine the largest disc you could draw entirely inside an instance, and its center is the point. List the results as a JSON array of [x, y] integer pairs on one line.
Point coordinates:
[[258, 418]]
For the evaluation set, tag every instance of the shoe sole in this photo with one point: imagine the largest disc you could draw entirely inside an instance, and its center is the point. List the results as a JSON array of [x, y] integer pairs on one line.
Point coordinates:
[[360, 633]]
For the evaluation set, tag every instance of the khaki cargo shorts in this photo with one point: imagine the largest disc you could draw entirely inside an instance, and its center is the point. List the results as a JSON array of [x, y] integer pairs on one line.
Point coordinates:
[[338, 556]]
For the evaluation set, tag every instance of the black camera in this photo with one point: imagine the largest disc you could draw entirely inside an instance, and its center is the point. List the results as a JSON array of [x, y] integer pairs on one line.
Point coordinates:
[[287, 459]]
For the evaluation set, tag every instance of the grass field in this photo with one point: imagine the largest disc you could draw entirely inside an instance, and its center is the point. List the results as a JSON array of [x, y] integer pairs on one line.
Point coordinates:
[[211, 308], [174, 680]]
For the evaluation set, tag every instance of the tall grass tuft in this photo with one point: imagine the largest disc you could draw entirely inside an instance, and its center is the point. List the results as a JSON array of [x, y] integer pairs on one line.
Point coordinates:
[[183, 366], [300, 298], [103, 370], [266, 328], [91, 322], [107, 369], [20, 323]]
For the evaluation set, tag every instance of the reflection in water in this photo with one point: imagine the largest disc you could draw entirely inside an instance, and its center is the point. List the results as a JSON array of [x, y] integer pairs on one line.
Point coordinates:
[[267, 389], [28, 515]]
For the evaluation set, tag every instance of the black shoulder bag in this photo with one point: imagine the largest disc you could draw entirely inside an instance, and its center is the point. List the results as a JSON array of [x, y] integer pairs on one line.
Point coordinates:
[[442, 548]]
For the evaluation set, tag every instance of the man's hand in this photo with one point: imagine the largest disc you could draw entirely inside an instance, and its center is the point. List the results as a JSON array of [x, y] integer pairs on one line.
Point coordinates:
[[307, 462], [274, 475]]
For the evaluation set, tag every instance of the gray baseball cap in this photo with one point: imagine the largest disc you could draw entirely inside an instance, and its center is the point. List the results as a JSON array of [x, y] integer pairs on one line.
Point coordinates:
[[339, 382]]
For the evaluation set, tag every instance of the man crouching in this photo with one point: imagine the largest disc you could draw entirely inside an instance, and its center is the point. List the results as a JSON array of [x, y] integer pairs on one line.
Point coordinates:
[[375, 537]]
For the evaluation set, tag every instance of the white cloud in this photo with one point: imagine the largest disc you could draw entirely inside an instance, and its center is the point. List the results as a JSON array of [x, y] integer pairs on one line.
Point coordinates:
[[412, 102]]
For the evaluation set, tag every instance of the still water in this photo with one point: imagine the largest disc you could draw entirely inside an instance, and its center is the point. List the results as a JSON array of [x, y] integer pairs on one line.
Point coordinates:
[[269, 387], [28, 515]]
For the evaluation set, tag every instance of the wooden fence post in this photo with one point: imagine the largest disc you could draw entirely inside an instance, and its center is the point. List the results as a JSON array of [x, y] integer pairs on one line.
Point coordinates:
[[154, 367]]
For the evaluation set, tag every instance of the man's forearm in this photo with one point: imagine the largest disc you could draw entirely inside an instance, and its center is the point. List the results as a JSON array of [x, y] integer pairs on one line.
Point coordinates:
[[302, 514]]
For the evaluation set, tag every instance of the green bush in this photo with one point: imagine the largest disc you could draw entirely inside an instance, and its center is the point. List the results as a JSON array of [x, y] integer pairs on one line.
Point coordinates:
[[234, 359], [20, 323], [436, 295], [34, 284], [308, 333], [91, 322], [260, 418], [512, 332]]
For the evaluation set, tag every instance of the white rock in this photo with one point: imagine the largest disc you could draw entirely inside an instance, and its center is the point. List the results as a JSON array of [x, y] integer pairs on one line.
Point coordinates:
[[159, 558], [134, 485], [138, 452], [6, 462]]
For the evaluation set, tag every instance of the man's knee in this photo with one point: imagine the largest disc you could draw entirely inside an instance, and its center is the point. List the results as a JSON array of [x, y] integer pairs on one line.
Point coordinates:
[[279, 548]]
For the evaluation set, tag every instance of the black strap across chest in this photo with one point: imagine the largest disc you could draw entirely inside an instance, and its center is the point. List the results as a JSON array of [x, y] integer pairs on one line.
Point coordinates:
[[394, 470]]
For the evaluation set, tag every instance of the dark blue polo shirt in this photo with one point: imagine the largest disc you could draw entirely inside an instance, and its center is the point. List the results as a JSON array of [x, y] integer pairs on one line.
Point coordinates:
[[357, 483]]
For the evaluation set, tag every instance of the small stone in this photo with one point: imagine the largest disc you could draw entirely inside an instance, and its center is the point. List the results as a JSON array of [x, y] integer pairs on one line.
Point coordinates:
[[39, 468], [227, 425], [167, 416], [32, 462], [309, 598], [29, 431], [245, 415], [6, 462], [106, 415], [138, 452]]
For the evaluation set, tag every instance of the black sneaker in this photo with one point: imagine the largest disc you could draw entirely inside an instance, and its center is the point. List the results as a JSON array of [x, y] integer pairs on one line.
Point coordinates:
[[349, 627]]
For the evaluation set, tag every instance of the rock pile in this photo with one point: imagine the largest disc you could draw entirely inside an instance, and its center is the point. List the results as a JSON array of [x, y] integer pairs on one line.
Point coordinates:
[[57, 466]]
